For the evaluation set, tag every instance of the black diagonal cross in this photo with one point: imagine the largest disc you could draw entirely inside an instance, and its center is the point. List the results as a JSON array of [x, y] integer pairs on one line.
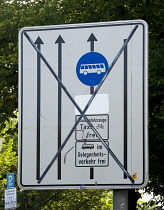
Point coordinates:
[[86, 107]]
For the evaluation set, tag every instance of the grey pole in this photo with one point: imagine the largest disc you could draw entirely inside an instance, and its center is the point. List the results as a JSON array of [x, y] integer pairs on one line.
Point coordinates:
[[120, 199]]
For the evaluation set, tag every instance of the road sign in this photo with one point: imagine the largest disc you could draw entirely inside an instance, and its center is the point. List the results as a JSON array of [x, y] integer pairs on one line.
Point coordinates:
[[91, 68], [10, 198], [10, 180], [91, 154], [83, 106], [100, 122]]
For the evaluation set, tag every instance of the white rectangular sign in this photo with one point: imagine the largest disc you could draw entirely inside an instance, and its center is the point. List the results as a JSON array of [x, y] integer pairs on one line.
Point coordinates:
[[99, 70], [91, 154], [84, 131], [99, 105], [10, 198]]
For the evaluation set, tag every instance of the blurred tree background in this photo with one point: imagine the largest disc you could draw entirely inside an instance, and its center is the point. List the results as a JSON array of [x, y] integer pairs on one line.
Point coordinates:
[[17, 14]]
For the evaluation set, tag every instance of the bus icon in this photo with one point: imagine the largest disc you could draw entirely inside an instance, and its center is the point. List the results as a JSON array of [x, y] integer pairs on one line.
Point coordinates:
[[92, 68]]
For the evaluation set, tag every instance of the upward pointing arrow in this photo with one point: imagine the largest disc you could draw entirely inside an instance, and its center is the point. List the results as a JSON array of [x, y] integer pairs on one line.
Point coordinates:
[[92, 39], [59, 41], [38, 42]]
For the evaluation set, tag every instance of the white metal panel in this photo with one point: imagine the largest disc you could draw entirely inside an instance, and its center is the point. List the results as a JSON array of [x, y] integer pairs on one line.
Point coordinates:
[[67, 173]]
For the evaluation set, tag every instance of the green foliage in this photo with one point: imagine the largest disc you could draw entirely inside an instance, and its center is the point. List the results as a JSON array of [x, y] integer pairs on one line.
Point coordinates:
[[8, 156], [150, 205], [65, 199], [156, 104], [13, 17], [8, 161]]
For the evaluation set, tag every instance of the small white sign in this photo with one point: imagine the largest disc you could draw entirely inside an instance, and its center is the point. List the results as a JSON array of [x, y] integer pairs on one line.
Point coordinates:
[[10, 198], [91, 154], [100, 104], [100, 122]]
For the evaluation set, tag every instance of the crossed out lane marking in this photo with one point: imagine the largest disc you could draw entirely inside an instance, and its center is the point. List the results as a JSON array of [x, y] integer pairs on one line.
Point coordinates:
[[86, 107]]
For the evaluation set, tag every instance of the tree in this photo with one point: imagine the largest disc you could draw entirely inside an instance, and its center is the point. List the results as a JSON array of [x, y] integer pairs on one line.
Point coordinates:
[[8, 157], [14, 16]]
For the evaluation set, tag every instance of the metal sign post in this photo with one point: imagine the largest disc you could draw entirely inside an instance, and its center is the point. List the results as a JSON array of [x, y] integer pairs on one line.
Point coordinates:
[[73, 112], [120, 199]]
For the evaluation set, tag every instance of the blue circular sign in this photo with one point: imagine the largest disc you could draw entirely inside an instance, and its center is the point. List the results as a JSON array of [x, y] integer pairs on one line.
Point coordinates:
[[91, 68]]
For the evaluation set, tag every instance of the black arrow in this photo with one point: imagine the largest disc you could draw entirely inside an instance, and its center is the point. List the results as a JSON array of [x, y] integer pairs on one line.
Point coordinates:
[[38, 43], [59, 41], [92, 39]]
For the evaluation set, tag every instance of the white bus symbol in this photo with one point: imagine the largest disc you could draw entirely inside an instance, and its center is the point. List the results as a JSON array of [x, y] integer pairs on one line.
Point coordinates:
[[92, 68]]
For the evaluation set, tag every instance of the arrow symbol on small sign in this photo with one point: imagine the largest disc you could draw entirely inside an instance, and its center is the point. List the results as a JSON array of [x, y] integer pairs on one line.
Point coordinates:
[[38, 43], [59, 41], [92, 39]]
